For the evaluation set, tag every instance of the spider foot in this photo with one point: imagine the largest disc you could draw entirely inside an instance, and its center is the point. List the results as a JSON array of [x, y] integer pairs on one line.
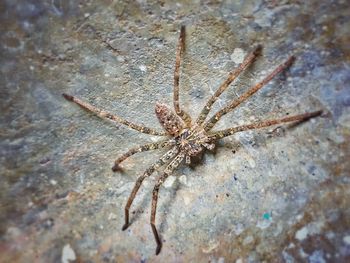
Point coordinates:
[[157, 239], [125, 226], [116, 168], [67, 97], [159, 247]]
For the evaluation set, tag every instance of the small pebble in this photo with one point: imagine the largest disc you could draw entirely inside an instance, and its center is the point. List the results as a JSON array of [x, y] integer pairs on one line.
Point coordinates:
[[301, 234], [68, 254], [169, 181], [238, 55], [183, 179], [248, 240], [346, 240], [53, 182], [143, 68], [112, 216]]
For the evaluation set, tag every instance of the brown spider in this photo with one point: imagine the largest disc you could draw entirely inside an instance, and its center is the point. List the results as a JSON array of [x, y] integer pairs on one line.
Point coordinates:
[[185, 137]]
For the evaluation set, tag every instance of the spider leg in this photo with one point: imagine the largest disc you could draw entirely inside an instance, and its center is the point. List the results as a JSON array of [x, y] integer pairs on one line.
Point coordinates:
[[179, 52], [142, 148], [114, 118], [249, 59], [209, 146], [301, 117], [168, 170], [213, 120], [167, 156]]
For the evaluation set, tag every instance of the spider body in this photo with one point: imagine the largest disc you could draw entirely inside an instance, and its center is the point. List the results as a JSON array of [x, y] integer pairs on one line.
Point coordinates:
[[187, 138], [191, 140], [194, 140]]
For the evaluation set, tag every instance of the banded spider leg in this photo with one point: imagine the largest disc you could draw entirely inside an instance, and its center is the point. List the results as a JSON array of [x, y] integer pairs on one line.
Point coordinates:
[[186, 139]]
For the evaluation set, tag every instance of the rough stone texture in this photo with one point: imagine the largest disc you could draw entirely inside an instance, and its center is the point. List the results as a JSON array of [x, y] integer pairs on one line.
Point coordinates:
[[274, 195]]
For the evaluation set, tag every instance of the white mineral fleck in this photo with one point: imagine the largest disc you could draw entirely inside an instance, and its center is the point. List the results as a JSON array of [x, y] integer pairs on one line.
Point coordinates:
[[248, 240], [251, 161], [262, 224], [143, 68], [120, 59], [169, 181], [67, 254], [291, 245], [187, 199], [238, 229], [346, 240], [302, 253], [301, 233], [211, 246], [317, 256], [238, 55], [13, 232], [112, 216], [53, 182], [299, 217], [183, 179]]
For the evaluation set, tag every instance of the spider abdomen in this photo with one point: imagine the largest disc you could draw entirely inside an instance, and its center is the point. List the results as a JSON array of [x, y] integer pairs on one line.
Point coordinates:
[[172, 123]]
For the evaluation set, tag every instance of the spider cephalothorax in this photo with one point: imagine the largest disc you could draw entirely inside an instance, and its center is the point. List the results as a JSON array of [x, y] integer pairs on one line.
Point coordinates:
[[193, 141], [190, 140], [185, 137]]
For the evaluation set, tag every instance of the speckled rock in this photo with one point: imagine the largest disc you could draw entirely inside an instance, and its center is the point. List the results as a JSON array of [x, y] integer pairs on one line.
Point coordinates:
[[271, 195]]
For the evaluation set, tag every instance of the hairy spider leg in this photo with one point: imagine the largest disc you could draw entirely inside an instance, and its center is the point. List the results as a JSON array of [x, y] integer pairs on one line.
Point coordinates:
[[249, 59], [168, 171], [216, 117], [179, 53], [106, 115], [166, 157], [257, 125], [142, 148]]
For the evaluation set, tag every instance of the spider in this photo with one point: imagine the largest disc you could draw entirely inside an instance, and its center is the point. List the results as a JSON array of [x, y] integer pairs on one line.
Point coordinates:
[[187, 138]]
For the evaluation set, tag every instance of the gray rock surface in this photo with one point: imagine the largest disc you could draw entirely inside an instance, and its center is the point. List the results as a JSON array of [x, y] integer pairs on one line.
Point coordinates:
[[273, 195]]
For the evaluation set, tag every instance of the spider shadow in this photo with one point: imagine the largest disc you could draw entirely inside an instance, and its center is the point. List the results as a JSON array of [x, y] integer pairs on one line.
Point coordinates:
[[146, 200], [280, 131], [201, 159], [164, 208], [196, 161], [139, 208], [295, 125], [167, 204]]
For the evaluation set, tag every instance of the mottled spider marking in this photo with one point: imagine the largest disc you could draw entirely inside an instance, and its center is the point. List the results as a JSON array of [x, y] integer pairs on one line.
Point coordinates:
[[171, 122], [193, 141]]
